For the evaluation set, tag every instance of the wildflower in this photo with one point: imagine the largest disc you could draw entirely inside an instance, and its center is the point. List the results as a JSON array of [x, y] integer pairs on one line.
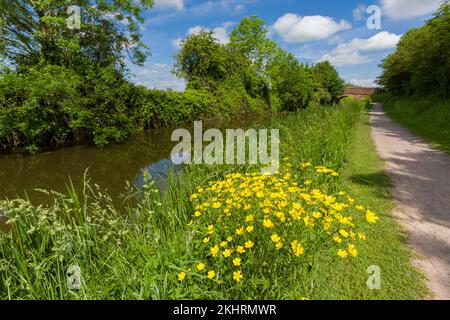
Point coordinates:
[[296, 248], [200, 190], [335, 174], [275, 238], [317, 215], [237, 275], [197, 213], [240, 249], [337, 239], [268, 223], [307, 182], [344, 233], [230, 238], [352, 250], [342, 193], [305, 165], [249, 218], [342, 253], [361, 236], [279, 245], [359, 208], [240, 231], [371, 217], [216, 205], [227, 253], [181, 276], [215, 250], [211, 274], [193, 196], [249, 229], [223, 244], [249, 244], [211, 229], [237, 262], [201, 267], [206, 240]]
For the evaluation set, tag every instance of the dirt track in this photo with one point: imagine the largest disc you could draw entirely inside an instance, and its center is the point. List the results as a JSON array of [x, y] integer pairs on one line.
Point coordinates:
[[421, 176]]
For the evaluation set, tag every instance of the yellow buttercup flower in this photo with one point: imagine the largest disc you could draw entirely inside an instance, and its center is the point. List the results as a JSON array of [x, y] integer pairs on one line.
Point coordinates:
[[343, 233], [249, 244], [211, 274], [249, 218], [249, 229], [238, 276], [181, 276], [268, 223], [197, 213], [342, 253], [237, 262], [215, 250], [352, 250], [206, 240], [227, 253], [275, 238], [240, 249], [216, 205], [240, 231], [371, 217], [223, 244], [201, 267]]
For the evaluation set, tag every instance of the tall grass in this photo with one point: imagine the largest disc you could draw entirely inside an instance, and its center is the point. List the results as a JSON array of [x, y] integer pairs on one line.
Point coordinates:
[[136, 251]]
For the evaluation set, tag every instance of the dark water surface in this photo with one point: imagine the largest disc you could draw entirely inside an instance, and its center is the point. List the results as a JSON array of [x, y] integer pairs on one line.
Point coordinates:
[[108, 167]]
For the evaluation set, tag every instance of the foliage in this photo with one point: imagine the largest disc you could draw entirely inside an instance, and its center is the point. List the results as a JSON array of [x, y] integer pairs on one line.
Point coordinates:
[[331, 85], [421, 64]]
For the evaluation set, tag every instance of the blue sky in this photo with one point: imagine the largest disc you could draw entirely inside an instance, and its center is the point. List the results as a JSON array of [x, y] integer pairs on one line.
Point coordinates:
[[313, 30]]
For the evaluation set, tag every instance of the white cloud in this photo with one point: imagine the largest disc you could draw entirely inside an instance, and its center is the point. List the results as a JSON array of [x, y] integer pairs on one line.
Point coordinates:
[[176, 43], [169, 4], [408, 9], [296, 29], [348, 53], [239, 8], [363, 82], [359, 13], [220, 33], [158, 76]]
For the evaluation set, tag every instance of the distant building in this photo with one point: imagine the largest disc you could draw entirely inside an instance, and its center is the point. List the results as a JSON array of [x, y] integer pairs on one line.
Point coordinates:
[[358, 92]]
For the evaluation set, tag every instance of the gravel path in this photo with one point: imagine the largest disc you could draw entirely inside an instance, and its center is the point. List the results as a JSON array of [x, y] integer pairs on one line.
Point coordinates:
[[421, 176]]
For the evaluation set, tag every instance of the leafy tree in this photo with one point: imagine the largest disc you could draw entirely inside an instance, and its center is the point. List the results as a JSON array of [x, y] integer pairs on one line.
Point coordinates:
[[33, 31], [329, 80]]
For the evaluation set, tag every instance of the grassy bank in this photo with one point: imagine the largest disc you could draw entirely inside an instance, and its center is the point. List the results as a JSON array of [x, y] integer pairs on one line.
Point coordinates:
[[426, 117], [225, 232]]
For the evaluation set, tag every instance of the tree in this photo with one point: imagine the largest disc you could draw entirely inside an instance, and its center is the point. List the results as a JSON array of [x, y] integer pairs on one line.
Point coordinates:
[[330, 81], [201, 61], [292, 81], [36, 31]]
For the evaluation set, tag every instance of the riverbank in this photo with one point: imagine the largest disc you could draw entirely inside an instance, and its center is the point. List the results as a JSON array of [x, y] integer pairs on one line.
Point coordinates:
[[316, 238]]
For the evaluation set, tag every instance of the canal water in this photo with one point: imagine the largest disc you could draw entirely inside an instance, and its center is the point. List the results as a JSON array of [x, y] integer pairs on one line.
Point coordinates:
[[109, 167]]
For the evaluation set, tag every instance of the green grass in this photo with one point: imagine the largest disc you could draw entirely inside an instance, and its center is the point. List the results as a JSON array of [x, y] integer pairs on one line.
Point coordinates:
[[426, 117], [367, 181], [137, 252]]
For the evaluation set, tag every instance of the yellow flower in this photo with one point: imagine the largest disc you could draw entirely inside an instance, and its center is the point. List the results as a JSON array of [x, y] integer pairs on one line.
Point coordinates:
[[249, 244], [275, 238], [201, 267], [249, 218], [344, 233], [361, 236], [197, 213], [279, 245], [335, 174], [260, 194], [211, 274], [268, 223], [237, 262], [194, 196], [249, 228], [342, 193], [211, 229], [215, 250], [200, 190], [296, 248], [337, 239], [317, 215], [206, 240], [240, 231], [305, 165], [237, 275], [371, 217], [240, 249], [181, 276], [216, 205], [230, 238], [352, 250], [227, 253], [342, 253], [307, 182], [223, 244], [359, 208]]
